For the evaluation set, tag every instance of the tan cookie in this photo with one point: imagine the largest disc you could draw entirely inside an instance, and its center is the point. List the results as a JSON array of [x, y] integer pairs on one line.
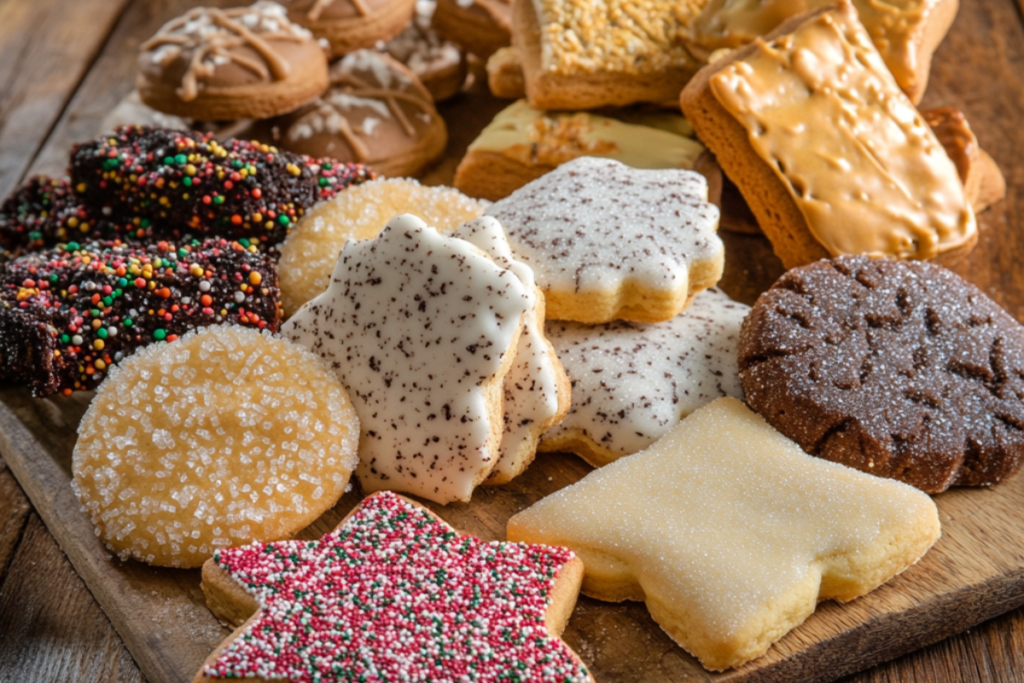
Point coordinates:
[[521, 144], [906, 32], [439, 64], [829, 153], [376, 112], [633, 382], [586, 55], [310, 251], [505, 74], [606, 241], [350, 25], [394, 593], [219, 65], [730, 533], [537, 391], [481, 27], [422, 329], [224, 437]]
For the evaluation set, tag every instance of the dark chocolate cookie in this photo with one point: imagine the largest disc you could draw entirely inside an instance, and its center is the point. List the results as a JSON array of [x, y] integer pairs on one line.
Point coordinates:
[[900, 369]]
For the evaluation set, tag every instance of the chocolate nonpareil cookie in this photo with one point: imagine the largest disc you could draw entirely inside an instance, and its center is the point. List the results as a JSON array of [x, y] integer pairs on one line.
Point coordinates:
[[901, 369]]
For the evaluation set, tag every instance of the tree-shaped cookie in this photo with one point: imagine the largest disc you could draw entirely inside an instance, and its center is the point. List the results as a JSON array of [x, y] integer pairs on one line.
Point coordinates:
[[730, 533], [394, 594]]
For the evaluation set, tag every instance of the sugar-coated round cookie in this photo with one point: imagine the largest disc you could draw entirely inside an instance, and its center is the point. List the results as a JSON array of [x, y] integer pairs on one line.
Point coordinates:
[[224, 437], [311, 250]]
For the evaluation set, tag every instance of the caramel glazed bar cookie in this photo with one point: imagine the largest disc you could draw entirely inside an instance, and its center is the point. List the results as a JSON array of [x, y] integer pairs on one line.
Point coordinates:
[[220, 65]]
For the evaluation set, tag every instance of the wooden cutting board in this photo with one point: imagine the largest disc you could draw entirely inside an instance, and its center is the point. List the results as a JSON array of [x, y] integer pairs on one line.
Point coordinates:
[[976, 571]]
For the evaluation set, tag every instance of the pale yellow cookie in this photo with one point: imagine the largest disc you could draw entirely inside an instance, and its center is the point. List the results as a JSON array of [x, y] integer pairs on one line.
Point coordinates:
[[606, 241], [311, 249], [224, 437], [731, 533]]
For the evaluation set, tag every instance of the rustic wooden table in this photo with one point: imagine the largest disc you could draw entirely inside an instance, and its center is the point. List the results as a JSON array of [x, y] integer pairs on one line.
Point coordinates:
[[64, 64]]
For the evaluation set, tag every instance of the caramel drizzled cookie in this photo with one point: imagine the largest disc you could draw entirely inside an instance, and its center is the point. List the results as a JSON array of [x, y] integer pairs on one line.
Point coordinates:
[[900, 369], [633, 382], [218, 65], [394, 593], [481, 27], [606, 241], [350, 25], [422, 329], [439, 64], [376, 112]]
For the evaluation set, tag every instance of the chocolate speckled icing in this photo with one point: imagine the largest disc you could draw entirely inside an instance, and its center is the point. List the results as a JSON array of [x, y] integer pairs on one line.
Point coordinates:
[[633, 382], [419, 326]]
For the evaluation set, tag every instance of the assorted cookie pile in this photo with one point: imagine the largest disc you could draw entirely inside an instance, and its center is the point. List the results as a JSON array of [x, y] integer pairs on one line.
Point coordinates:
[[265, 327]]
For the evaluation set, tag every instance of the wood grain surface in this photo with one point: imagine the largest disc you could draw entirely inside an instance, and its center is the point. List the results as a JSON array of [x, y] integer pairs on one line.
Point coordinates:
[[51, 627]]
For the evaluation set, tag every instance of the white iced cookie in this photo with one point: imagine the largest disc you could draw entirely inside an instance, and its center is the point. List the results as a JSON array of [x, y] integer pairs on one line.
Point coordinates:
[[536, 389], [633, 382], [608, 241], [731, 533], [421, 328]]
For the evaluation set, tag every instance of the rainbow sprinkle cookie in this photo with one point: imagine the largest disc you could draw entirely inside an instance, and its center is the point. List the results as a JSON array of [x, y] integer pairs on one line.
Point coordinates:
[[394, 594], [171, 183], [68, 313]]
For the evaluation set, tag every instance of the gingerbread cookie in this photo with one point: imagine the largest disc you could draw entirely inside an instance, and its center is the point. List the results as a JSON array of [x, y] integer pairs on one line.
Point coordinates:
[[350, 25], [422, 329], [521, 144], [902, 370], [983, 182], [310, 252], [169, 183], [537, 391], [587, 55], [70, 313], [219, 65], [481, 27], [840, 162], [227, 436], [730, 533], [376, 112], [633, 382], [607, 241], [449, 606], [440, 65]]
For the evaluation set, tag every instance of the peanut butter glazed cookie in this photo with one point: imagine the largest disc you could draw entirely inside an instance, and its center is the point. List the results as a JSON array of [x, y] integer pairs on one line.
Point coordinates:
[[246, 62], [350, 25], [900, 369], [376, 112]]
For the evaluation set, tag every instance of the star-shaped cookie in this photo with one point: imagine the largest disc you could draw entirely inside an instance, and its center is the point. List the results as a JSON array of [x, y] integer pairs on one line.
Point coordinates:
[[730, 533], [394, 594]]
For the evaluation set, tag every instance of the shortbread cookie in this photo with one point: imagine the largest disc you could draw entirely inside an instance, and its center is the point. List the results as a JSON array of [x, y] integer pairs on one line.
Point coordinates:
[[350, 25], [376, 113], [587, 55], [983, 182], [440, 65], [906, 32], [422, 329], [840, 162], [505, 74], [730, 533], [537, 391], [521, 144], [606, 241], [218, 65], [70, 313], [310, 252], [227, 436], [633, 382], [902, 370], [394, 594], [481, 27]]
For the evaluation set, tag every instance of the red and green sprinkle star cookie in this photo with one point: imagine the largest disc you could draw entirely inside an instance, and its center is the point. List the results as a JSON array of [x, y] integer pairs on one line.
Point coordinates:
[[394, 594]]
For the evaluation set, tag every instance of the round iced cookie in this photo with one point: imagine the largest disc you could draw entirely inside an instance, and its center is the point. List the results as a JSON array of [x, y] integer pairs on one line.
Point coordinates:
[[311, 250], [225, 437], [440, 65]]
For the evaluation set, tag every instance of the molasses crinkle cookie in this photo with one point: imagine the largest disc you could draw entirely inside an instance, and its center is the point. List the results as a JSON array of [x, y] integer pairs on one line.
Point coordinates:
[[900, 369], [218, 65]]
